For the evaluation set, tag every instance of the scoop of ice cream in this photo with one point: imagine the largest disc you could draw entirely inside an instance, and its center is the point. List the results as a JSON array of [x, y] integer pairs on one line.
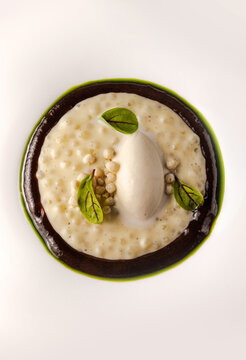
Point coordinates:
[[140, 180]]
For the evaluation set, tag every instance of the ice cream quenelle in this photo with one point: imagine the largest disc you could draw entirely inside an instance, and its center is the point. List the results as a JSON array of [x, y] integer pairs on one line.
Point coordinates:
[[140, 185]]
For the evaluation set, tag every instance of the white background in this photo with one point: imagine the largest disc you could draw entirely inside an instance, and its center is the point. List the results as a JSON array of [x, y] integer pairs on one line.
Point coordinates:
[[194, 311]]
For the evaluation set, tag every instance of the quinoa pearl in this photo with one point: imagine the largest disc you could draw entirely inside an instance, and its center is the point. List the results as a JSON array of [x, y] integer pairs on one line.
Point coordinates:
[[105, 195], [100, 181], [111, 177], [170, 178], [112, 166], [109, 201], [80, 177], [99, 172], [172, 164], [100, 190], [169, 189], [89, 159], [106, 210], [108, 154], [110, 188]]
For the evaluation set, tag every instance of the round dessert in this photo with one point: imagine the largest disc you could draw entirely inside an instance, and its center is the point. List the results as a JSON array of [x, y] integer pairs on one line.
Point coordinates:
[[121, 178]]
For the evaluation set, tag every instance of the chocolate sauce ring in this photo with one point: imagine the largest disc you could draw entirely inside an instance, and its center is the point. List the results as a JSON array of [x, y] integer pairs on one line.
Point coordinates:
[[198, 229]]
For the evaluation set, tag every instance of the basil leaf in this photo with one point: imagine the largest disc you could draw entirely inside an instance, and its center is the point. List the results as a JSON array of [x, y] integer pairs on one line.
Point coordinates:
[[186, 196], [121, 119], [87, 201]]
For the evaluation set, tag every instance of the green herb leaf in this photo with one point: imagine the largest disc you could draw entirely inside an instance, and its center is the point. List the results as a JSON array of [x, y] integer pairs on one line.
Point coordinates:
[[121, 119], [87, 201], [186, 196]]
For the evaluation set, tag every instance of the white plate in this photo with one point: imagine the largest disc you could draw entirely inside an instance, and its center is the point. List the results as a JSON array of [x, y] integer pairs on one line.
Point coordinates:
[[194, 311]]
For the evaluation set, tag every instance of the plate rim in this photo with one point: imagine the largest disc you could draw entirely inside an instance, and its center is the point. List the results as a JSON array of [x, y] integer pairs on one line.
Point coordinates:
[[220, 169]]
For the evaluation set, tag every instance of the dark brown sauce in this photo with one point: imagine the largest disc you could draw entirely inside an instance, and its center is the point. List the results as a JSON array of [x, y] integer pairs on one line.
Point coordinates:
[[198, 228]]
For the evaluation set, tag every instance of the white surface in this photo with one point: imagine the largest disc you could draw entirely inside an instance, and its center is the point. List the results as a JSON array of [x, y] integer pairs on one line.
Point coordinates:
[[195, 311]]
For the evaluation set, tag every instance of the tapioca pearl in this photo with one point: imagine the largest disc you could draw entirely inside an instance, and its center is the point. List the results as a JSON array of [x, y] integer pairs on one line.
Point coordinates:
[[61, 139], [47, 182], [85, 134], [190, 176], [44, 159], [112, 166], [58, 189], [107, 181], [157, 245], [108, 153], [62, 208], [128, 252], [70, 213], [55, 209], [74, 238], [73, 224], [98, 251], [63, 123], [78, 220], [73, 192], [115, 140], [79, 133], [94, 145], [77, 167], [123, 241], [194, 139], [59, 182], [111, 188], [87, 170], [74, 144], [162, 119], [77, 127], [64, 233], [144, 242], [111, 177], [103, 130], [108, 104], [74, 184], [80, 177], [89, 159], [99, 172], [169, 189], [170, 178], [72, 201], [172, 163], [114, 96], [40, 174], [68, 152], [79, 152], [98, 109], [64, 164], [77, 210], [174, 147], [54, 153]]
